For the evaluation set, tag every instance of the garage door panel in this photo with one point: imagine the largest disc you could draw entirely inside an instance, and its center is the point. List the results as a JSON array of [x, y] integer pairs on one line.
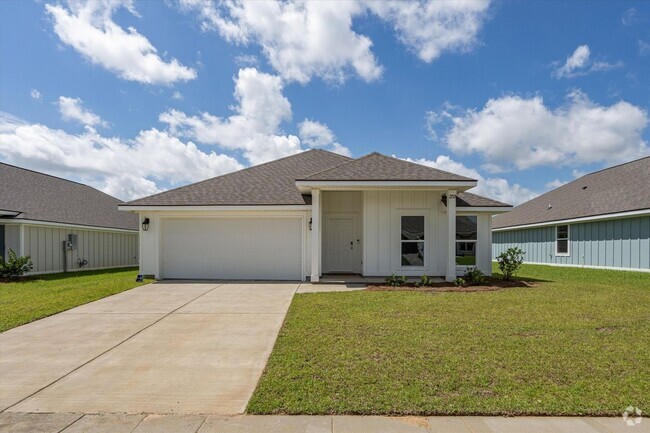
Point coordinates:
[[229, 248]]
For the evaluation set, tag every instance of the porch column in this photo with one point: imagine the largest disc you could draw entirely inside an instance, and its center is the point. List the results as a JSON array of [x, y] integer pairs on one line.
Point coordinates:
[[315, 235], [451, 236]]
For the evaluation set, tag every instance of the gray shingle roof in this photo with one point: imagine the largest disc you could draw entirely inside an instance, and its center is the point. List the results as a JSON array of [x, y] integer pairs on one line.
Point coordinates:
[[42, 197], [271, 183], [621, 188], [468, 199], [378, 167]]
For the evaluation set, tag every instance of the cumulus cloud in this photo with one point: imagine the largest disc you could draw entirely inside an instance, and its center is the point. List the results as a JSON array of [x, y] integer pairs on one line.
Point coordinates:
[[316, 134], [123, 168], [304, 39], [494, 187], [73, 109], [513, 131], [579, 63], [254, 128], [35, 94], [88, 27]]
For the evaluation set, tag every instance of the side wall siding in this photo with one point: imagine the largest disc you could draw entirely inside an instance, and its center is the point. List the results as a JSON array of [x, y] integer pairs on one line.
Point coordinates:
[[102, 249], [617, 243]]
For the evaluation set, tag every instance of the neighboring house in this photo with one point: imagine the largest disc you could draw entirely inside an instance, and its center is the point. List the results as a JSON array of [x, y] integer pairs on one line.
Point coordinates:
[[318, 212], [600, 220], [38, 213]]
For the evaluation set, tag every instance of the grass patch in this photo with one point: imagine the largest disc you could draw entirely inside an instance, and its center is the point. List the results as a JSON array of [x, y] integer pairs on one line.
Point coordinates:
[[575, 344], [33, 298]]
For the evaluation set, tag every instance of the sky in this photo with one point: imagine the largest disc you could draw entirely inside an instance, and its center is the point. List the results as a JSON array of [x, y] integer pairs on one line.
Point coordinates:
[[135, 98]]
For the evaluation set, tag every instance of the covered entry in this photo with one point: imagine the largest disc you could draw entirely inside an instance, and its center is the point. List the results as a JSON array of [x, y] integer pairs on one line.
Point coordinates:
[[268, 248]]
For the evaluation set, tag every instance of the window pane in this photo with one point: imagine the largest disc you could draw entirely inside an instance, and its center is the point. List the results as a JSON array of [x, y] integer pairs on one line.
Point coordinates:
[[562, 232], [412, 253], [466, 228], [412, 228], [562, 246], [466, 253]]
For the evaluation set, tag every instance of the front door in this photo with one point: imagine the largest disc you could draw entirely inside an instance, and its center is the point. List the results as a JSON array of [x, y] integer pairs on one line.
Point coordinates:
[[341, 244]]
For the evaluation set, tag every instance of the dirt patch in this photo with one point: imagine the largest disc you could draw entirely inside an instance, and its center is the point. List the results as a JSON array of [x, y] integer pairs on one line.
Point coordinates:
[[492, 285]]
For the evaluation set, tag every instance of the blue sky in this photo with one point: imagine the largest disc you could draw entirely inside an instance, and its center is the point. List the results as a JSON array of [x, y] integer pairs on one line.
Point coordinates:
[[137, 97]]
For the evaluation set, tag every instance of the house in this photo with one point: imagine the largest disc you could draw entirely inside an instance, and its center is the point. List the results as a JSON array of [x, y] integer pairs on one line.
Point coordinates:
[[600, 220], [63, 225], [318, 212]]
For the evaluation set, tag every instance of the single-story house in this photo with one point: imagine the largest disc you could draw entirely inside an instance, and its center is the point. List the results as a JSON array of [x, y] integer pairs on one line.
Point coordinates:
[[601, 220], [63, 225], [318, 212]]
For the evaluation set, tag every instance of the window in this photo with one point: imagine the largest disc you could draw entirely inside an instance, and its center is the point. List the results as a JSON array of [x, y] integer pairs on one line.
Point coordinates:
[[562, 240], [466, 235], [412, 240]]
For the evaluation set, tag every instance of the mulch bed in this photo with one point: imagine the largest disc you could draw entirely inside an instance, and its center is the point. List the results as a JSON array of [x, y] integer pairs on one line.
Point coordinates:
[[492, 285]]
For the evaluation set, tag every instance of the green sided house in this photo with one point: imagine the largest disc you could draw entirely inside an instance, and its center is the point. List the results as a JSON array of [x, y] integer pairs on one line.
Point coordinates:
[[318, 213], [63, 225], [601, 220]]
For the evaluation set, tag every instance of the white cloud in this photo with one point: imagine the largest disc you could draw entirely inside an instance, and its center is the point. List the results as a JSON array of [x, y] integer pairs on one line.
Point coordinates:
[[515, 131], [305, 39], [316, 134], [630, 17], [88, 27], [555, 183], [493, 187], [124, 168], [431, 27], [35, 94], [73, 109], [644, 47], [177, 95], [579, 63]]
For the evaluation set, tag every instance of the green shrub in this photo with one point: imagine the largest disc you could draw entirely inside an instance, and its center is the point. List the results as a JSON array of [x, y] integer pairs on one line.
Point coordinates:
[[510, 262], [459, 282], [474, 275], [425, 281], [396, 280], [15, 266]]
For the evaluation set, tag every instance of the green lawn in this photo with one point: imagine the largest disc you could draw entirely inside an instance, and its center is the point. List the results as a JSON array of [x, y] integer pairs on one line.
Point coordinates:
[[576, 344], [41, 296]]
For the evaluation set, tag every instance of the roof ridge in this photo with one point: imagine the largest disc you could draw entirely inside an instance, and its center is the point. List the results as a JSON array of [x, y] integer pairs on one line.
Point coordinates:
[[609, 168], [341, 164]]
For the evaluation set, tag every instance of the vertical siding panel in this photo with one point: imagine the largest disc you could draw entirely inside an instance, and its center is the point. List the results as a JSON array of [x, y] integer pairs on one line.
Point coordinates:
[[42, 248], [609, 243], [625, 243], [617, 238], [635, 242], [644, 243]]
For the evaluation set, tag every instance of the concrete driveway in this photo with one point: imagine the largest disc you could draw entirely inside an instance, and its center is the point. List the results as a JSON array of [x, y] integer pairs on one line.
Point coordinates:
[[168, 347]]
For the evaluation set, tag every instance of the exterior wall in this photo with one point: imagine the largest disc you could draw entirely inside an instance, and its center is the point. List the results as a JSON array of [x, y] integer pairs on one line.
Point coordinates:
[[102, 249], [12, 239], [616, 243], [382, 211]]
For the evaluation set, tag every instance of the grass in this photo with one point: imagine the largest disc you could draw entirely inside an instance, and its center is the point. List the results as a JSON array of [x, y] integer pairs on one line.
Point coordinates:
[[33, 298], [576, 344]]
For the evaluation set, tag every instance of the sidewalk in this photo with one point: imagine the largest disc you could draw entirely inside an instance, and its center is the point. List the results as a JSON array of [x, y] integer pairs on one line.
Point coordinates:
[[14, 422]]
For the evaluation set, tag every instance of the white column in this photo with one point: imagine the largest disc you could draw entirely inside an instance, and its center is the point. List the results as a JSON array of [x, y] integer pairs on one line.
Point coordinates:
[[315, 235], [451, 236]]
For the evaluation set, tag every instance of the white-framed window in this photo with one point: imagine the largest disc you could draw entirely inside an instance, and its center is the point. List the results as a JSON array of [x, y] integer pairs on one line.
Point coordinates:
[[412, 241], [562, 240], [466, 240]]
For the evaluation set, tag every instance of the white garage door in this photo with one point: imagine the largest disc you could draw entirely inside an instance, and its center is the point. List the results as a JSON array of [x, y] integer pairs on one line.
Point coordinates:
[[232, 248]]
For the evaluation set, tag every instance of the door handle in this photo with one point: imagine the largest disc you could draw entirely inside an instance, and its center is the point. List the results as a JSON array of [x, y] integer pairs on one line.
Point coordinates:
[[352, 245]]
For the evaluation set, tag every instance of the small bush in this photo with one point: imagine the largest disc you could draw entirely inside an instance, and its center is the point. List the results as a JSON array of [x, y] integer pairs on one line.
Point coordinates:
[[15, 266], [459, 282], [510, 262], [425, 281], [396, 280], [474, 275]]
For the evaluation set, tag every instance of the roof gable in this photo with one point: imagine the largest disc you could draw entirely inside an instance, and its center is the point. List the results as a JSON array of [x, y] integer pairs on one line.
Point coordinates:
[[621, 188], [378, 167], [41, 197]]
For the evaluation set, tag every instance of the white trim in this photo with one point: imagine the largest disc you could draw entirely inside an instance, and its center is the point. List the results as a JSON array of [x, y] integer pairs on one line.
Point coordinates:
[[316, 214], [568, 240], [9, 213], [475, 209], [72, 226], [450, 272], [562, 265], [577, 220], [384, 184], [265, 208]]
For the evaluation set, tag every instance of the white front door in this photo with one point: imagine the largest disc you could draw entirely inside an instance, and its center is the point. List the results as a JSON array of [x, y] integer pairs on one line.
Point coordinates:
[[341, 243]]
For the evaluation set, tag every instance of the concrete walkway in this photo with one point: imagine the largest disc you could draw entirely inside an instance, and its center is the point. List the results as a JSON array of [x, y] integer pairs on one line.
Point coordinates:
[[168, 347], [122, 423]]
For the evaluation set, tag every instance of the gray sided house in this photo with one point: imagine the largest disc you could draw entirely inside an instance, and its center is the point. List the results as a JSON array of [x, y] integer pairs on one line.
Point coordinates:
[[600, 220], [63, 225]]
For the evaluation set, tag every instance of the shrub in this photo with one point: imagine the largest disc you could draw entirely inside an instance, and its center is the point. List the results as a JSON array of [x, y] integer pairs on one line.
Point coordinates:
[[459, 282], [474, 275], [396, 280], [425, 281], [15, 266], [510, 262]]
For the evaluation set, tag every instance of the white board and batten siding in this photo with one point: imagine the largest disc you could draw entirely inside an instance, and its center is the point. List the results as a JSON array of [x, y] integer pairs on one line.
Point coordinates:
[[101, 248]]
